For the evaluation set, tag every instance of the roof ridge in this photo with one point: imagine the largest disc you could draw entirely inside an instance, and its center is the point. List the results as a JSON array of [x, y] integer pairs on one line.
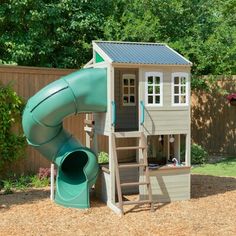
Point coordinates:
[[129, 42]]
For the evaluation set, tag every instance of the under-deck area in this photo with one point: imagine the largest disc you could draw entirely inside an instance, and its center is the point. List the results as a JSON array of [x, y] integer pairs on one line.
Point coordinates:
[[168, 169]]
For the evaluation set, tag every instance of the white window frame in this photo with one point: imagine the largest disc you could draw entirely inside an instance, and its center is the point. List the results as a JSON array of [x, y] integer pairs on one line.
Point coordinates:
[[154, 74], [129, 76], [180, 74]]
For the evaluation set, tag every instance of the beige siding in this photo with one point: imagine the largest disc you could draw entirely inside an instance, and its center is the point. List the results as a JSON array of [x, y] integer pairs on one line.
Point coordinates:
[[168, 185], [165, 119], [103, 183], [102, 186], [128, 176], [160, 122]]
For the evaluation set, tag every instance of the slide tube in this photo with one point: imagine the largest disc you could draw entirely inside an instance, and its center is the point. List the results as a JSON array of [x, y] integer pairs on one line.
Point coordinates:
[[79, 92]]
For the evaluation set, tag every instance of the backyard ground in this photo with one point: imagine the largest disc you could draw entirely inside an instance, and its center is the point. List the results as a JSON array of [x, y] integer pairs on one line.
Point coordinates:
[[211, 211]]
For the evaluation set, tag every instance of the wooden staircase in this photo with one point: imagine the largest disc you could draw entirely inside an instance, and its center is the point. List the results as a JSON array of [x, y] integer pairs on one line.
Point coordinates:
[[142, 163]]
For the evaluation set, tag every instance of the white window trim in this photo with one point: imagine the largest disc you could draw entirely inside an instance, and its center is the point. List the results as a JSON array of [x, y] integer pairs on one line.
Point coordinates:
[[154, 73], [180, 74], [129, 76]]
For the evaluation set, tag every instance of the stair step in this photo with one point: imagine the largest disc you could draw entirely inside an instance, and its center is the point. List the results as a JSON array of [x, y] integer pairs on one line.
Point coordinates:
[[139, 202], [131, 165], [143, 146], [133, 184], [130, 134], [130, 148]]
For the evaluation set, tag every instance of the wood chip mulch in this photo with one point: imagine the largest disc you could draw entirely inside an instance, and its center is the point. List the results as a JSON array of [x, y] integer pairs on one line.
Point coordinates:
[[211, 211]]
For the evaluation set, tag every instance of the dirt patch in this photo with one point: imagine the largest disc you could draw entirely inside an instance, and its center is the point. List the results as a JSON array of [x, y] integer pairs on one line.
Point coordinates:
[[211, 211]]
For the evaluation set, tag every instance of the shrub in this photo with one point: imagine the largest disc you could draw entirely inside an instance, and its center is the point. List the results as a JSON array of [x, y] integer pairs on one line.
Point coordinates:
[[12, 140], [45, 173], [7, 187], [23, 182], [103, 158], [198, 154], [38, 182]]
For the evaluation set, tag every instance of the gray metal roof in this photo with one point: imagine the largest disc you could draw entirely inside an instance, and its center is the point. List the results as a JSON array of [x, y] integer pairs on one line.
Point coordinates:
[[141, 53]]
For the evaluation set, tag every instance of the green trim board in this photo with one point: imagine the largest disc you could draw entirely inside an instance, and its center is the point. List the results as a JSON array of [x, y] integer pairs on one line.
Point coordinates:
[[98, 58]]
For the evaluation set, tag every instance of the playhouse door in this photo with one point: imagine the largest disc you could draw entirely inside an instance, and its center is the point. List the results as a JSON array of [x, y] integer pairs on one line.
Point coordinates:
[[126, 99]]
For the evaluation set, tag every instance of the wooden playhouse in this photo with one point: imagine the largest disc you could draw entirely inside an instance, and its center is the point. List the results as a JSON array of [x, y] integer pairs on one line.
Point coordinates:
[[147, 123]]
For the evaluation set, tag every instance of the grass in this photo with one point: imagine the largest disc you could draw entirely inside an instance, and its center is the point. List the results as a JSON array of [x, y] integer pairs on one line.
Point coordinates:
[[225, 167]]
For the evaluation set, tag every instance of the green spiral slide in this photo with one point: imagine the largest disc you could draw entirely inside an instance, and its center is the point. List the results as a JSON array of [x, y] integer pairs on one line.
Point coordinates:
[[81, 91]]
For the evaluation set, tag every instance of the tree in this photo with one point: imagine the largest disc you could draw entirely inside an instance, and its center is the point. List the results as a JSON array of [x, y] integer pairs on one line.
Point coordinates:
[[57, 33], [50, 33]]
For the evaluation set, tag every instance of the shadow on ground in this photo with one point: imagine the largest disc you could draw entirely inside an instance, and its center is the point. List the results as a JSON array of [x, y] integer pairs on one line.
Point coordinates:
[[201, 186], [23, 197], [31, 196], [207, 185]]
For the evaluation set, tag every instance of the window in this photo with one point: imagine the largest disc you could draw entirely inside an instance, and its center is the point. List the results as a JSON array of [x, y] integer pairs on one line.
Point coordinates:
[[154, 87], [129, 90], [180, 89]]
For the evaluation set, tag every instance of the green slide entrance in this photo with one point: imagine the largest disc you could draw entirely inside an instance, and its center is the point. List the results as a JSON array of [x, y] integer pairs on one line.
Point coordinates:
[[81, 91]]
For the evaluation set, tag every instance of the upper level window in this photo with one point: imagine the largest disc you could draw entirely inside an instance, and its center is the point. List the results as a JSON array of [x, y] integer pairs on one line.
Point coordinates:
[[129, 89], [154, 87], [180, 89]]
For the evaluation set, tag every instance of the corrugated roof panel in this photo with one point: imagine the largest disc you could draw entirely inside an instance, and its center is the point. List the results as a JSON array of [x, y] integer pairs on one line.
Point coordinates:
[[141, 53]]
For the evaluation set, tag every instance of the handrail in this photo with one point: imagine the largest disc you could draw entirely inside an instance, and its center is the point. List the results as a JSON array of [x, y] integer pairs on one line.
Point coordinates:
[[113, 106], [142, 112]]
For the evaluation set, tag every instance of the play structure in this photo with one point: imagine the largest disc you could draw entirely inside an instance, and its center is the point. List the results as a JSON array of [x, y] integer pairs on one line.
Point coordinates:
[[137, 95]]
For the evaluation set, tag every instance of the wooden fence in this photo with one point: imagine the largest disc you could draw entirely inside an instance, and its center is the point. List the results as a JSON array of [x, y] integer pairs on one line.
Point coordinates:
[[26, 82], [213, 119]]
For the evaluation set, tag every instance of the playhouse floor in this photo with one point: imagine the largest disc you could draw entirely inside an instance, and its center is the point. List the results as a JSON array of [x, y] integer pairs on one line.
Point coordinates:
[[211, 211]]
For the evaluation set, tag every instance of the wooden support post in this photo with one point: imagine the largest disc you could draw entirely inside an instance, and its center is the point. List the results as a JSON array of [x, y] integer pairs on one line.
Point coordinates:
[[167, 146], [87, 136], [188, 150], [95, 143], [154, 146], [177, 147], [112, 190], [52, 182]]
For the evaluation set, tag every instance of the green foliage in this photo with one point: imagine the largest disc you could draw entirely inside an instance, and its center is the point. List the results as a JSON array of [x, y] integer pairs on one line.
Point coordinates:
[[50, 33], [23, 182], [55, 33], [12, 141], [103, 158], [39, 182], [132, 21], [7, 187], [198, 154]]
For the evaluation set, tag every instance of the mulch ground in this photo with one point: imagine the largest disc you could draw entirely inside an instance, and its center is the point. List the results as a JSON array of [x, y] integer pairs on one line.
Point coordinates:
[[211, 211]]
